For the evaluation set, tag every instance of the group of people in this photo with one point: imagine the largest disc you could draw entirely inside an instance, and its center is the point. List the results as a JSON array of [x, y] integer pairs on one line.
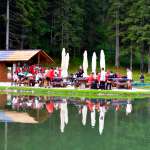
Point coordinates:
[[37, 75], [104, 80]]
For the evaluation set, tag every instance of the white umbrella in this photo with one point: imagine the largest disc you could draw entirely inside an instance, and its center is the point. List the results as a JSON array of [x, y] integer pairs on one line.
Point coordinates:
[[63, 59], [93, 121], [84, 114], [63, 54], [101, 119], [66, 65], [94, 63], [85, 64], [102, 60]]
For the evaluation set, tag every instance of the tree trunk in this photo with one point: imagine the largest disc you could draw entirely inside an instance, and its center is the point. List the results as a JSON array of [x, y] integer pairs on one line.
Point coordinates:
[[117, 40], [62, 36], [149, 60], [131, 58], [142, 59], [7, 26]]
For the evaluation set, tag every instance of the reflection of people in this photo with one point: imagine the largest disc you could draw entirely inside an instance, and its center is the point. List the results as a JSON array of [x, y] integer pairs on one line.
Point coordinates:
[[142, 78], [128, 108], [50, 107]]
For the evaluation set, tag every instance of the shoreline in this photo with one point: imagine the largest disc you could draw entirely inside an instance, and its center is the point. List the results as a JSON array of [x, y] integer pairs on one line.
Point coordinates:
[[75, 92]]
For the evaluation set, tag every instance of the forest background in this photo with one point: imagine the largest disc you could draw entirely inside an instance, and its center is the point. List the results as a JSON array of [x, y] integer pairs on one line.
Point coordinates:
[[120, 27]]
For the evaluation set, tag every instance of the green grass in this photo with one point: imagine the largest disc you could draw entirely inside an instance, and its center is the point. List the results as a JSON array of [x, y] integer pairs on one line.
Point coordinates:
[[74, 92]]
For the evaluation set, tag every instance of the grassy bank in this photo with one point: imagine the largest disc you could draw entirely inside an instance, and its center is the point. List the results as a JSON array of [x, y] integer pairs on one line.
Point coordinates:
[[75, 92]]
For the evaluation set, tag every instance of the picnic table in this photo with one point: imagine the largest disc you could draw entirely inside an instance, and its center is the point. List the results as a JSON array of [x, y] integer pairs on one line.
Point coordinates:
[[121, 83]]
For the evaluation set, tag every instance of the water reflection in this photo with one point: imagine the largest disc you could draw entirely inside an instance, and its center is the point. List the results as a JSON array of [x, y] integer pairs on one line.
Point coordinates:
[[29, 109]]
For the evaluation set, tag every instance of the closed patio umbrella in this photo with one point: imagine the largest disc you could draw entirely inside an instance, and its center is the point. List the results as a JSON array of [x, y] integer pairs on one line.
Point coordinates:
[[94, 63], [63, 61], [66, 65], [85, 64], [102, 60]]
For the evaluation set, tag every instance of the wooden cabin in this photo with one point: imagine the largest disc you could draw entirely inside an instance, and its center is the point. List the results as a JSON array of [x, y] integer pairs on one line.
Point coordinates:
[[9, 60]]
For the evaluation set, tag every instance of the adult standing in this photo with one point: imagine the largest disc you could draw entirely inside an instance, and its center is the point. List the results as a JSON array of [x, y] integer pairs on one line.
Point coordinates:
[[102, 79], [129, 78]]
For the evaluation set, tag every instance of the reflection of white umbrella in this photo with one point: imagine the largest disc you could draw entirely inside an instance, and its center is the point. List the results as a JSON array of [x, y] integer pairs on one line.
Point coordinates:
[[66, 111], [93, 121], [101, 119], [102, 60], [63, 115], [94, 63], [85, 63], [84, 114], [62, 118], [128, 108]]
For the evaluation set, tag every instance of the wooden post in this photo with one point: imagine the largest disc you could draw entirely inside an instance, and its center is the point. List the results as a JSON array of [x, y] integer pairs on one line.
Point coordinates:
[[117, 39]]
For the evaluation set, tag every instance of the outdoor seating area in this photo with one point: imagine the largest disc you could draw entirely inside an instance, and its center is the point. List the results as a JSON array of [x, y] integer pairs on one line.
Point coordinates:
[[39, 76], [35, 70]]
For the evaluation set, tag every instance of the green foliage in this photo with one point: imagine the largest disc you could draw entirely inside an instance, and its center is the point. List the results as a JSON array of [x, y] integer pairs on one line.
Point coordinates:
[[84, 24]]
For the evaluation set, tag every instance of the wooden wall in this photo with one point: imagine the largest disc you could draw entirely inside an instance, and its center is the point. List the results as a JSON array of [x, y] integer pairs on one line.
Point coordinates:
[[3, 72]]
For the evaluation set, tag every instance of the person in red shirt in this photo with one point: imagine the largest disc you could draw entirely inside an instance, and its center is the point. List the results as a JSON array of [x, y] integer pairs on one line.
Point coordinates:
[[90, 79], [50, 76]]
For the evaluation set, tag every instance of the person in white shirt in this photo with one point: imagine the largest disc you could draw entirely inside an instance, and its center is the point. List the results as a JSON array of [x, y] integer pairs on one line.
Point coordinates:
[[102, 79], [129, 74], [129, 78]]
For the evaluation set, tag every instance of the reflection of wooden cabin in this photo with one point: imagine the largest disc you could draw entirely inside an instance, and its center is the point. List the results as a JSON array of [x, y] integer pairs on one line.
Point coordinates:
[[3, 100], [20, 117], [10, 58]]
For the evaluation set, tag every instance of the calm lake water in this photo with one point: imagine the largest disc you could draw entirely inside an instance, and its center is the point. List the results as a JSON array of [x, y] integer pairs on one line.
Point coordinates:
[[55, 123]]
